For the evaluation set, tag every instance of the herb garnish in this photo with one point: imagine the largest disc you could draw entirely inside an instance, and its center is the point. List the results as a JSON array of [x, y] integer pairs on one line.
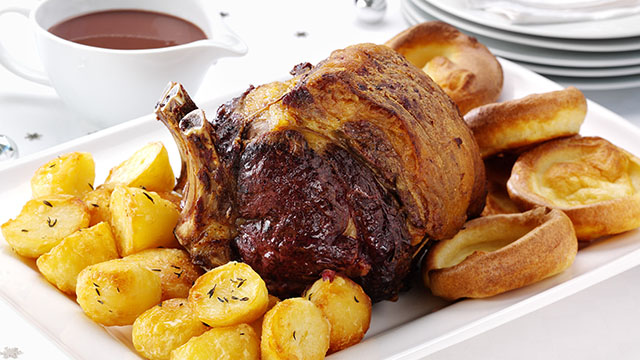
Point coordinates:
[[91, 186], [210, 293], [356, 299], [156, 269], [98, 292], [24, 230], [51, 223], [47, 203], [100, 301], [149, 197], [219, 299], [95, 205], [294, 335]]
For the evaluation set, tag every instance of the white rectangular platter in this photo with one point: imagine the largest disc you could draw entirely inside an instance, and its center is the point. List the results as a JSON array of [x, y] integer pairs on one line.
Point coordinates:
[[416, 325]]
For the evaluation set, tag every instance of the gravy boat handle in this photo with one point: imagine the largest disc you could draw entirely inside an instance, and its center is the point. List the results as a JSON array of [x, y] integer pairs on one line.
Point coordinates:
[[16, 66]]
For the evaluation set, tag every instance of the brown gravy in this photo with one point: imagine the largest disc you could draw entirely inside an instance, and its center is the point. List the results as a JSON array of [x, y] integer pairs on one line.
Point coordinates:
[[128, 30]]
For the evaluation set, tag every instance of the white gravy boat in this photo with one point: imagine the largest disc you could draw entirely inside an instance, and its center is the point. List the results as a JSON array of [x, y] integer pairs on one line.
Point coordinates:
[[110, 86]]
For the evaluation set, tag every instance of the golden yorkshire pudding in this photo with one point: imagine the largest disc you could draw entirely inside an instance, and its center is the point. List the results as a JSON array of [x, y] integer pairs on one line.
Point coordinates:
[[530, 120], [593, 181], [499, 253], [464, 68]]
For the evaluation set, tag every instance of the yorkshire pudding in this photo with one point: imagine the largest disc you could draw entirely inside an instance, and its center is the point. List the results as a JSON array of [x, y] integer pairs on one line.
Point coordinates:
[[499, 253], [530, 120], [464, 68], [593, 181]]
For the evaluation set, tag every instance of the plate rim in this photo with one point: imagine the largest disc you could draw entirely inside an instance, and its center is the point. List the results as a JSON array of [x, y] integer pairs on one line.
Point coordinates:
[[532, 54], [449, 7], [604, 45]]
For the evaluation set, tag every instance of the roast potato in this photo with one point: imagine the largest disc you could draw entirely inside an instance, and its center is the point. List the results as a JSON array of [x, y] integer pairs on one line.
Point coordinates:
[[141, 220], [70, 174], [237, 342], [43, 223], [177, 272], [147, 168], [62, 264], [257, 324], [345, 305], [98, 204], [165, 327], [295, 329], [229, 294], [116, 292]]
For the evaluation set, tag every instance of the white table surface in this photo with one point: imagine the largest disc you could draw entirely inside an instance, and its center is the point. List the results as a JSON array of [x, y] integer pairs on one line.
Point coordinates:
[[600, 322]]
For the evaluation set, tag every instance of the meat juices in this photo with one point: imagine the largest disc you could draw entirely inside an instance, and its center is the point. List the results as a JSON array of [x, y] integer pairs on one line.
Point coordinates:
[[128, 30]]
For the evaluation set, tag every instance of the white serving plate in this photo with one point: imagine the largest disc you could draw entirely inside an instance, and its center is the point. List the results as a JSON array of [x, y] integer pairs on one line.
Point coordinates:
[[538, 55], [583, 72], [586, 45], [620, 27], [417, 325]]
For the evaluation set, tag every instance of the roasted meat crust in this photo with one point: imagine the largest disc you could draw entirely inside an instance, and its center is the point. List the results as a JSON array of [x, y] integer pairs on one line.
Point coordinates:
[[398, 121], [349, 166]]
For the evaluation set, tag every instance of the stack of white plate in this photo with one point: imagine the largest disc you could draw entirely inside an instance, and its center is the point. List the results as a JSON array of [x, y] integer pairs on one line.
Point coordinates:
[[593, 55]]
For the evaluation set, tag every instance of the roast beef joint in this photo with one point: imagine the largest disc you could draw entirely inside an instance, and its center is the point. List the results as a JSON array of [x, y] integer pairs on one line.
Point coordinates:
[[349, 166]]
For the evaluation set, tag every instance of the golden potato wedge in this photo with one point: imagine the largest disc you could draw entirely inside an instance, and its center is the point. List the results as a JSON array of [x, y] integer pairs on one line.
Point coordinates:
[[70, 174], [295, 329], [141, 220], [165, 327], [237, 342], [98, 204], [172, 196], [44, 222], [177, 272], [116, 292], [345, 305], [62, 264], [229, 294], [257, 324], [147, 168]]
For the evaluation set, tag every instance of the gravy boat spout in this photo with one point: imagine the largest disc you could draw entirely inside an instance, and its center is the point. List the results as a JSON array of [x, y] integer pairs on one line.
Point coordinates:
[[223, 42]]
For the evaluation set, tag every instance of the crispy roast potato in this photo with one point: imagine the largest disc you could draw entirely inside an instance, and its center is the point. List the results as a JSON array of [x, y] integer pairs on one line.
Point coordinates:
[[172, 196], [295, 329], [229, 294], [116, 292], [177, 272], [43, 223], [257, 324], [141, 220], [98, 204], [147, 168], [165, 327], [345, 305], [236, 342], [62, 264], [70, 174]]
